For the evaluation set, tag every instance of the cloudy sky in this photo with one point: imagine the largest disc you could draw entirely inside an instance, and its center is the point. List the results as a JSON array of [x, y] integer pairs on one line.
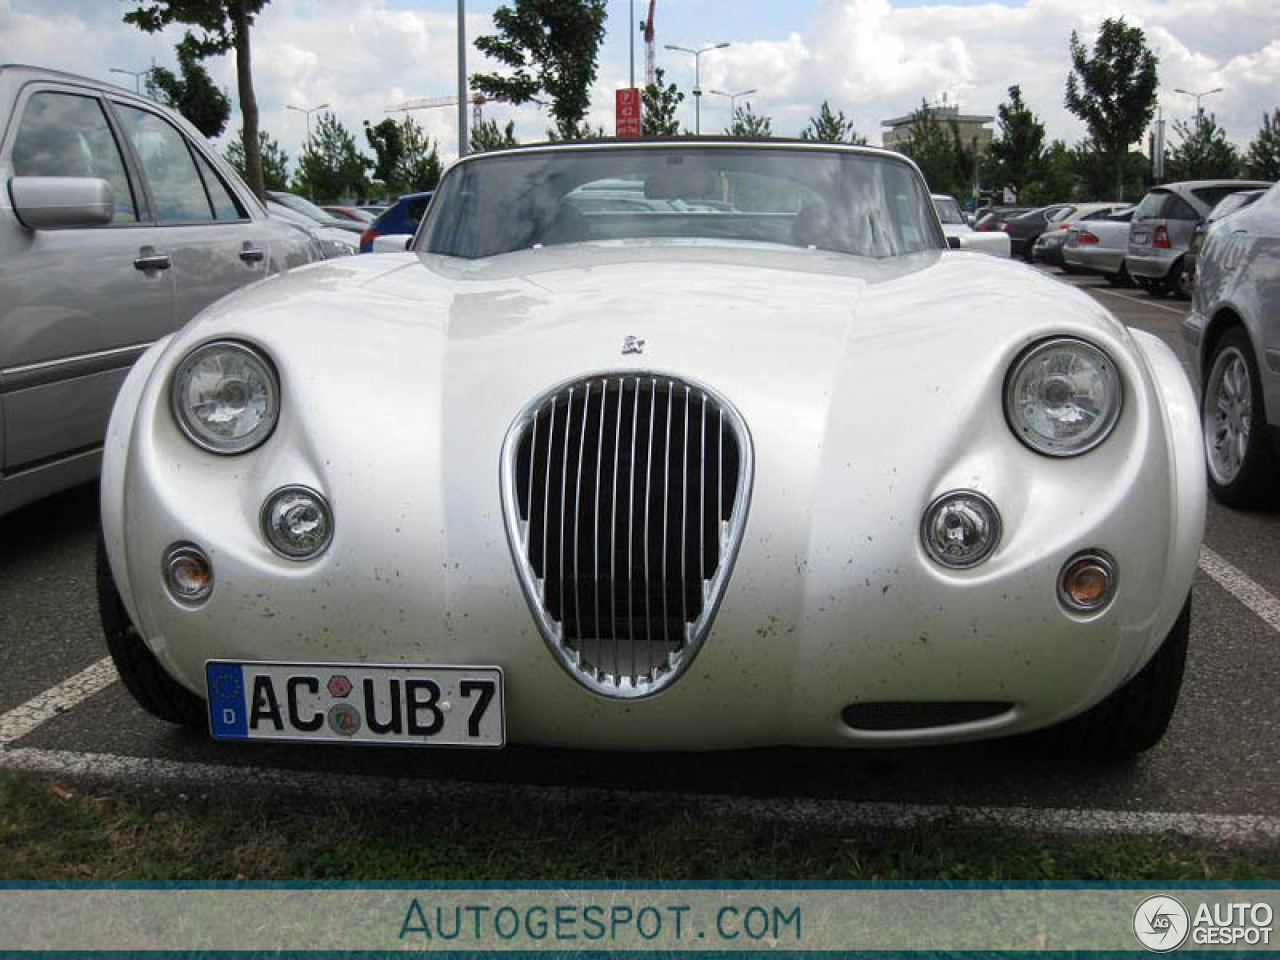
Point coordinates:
[[871, 58]]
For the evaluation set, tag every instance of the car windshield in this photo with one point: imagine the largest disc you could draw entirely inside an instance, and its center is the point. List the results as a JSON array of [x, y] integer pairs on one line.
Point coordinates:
[[838, 200], [948, 210]]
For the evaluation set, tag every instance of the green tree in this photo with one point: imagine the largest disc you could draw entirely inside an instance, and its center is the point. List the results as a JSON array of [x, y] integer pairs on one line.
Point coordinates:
[[489, 136], [224, 26], [387, 142], [330, 167], [1113, 91], [1263, 157], [831, 127], [1205, 153], [660, 100], [1017, 151], [275, 162], [747, 123], [420, 167], [948, 163], [550, 48], [193, 94], [1057, 177]]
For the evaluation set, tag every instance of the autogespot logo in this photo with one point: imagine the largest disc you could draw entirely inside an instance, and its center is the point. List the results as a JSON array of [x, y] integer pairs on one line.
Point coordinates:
[[1160, 923]]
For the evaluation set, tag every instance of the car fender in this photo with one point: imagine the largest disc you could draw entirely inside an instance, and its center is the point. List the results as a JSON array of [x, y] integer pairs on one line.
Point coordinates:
[[1189, 489], [115, 457]]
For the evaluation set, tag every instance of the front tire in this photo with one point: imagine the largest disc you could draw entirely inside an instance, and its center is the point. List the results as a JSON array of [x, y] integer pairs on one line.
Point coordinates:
[[156, 692], [1238, 453], [1133, 718]]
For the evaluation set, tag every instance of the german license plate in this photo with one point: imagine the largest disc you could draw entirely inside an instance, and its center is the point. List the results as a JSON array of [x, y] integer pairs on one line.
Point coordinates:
[[443, 706]]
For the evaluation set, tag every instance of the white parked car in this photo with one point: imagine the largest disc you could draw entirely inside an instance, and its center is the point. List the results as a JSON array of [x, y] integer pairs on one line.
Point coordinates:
[[773, 472], [960, 234]]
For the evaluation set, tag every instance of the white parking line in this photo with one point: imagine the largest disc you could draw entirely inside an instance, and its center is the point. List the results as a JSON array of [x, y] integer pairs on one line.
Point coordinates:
[[1142, 303], [1254, 596], [221, 780], [26, 717]]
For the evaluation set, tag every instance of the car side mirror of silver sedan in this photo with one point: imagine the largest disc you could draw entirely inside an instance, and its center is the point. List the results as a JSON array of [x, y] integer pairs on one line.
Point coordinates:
[[392, 243], [47, 203]]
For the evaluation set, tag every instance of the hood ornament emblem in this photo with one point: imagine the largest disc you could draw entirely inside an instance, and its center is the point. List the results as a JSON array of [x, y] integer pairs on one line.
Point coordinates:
[[632, 345]]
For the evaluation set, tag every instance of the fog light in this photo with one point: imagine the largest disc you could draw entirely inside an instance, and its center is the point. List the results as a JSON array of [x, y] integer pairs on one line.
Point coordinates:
[[188, 574], [960, 529], [297, 523], [1088, 582]]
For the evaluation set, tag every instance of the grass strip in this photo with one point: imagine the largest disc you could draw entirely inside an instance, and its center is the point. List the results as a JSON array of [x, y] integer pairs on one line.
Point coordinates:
[[56, 831]]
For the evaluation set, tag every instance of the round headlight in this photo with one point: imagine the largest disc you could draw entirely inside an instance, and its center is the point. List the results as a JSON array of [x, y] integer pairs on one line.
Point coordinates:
[[297, 523], [1062, 397], [960, 529], [226, 397]]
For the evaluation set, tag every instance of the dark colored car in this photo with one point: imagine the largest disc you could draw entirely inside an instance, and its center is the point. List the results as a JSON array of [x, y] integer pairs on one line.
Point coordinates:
[[1026, 228], [1048, 248], [989, 217], [403, 216]]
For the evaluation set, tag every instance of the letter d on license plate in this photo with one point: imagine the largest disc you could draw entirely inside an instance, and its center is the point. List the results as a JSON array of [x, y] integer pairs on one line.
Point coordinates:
[[356, 703]]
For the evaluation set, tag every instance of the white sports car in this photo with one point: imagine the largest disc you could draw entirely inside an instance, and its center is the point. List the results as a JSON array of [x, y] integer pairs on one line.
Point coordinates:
[[759, 462]]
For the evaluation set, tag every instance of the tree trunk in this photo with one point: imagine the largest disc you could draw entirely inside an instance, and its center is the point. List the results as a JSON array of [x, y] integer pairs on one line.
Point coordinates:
[[248, 103]]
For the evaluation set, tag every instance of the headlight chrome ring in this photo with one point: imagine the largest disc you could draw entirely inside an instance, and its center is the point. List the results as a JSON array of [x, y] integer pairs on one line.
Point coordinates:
[[297, 522], [225, 397], [1063, 397], [960, 529]]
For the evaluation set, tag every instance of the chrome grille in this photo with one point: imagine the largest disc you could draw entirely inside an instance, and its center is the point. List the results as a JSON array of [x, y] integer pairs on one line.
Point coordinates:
[[625, 499]]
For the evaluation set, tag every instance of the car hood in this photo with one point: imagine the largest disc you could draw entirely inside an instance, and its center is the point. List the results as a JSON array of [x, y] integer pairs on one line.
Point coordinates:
[[753, 315]]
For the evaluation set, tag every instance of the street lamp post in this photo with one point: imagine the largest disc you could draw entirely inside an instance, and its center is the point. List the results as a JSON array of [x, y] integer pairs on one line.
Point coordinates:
[[136, 74], [1198, 96], [697, 78], [733, 99], [308, 111]]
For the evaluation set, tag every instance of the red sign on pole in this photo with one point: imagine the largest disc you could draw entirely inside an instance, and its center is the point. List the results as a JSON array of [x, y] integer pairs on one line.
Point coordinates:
[[628, 112]]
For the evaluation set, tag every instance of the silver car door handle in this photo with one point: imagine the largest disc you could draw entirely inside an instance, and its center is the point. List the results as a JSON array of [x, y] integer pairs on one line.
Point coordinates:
[[253, 254], [152, 261]]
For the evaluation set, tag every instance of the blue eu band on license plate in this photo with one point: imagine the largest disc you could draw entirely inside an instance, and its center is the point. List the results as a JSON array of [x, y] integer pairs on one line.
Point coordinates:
[[356, 703]]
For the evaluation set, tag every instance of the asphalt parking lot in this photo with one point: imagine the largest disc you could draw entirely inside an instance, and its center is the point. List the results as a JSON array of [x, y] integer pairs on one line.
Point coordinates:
[[61, 710]]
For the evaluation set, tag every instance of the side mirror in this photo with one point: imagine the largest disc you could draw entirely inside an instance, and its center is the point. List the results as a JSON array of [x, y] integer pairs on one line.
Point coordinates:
[[392, 243], [47, 203]]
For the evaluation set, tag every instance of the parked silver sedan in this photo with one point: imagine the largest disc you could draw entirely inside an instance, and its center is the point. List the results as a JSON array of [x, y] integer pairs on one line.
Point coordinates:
[[1097, 244], [117, 225], [1160, 234], [1232, 338]]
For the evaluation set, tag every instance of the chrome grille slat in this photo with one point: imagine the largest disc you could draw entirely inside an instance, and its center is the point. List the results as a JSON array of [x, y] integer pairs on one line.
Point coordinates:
[[626, 625]]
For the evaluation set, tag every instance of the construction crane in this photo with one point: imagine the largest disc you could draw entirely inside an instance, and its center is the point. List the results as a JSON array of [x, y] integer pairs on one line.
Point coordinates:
[[478, 100]]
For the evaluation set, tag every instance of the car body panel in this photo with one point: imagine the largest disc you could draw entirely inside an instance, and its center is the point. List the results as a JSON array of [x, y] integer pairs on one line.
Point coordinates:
[[832, 600], [1238, 283], [79, 304], [1107, 255]]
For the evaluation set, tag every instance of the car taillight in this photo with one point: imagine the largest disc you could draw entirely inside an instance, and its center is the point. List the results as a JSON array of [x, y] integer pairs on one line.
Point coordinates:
[[369, 236], [1064, 226], [1161, 238], [1084, 236]]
